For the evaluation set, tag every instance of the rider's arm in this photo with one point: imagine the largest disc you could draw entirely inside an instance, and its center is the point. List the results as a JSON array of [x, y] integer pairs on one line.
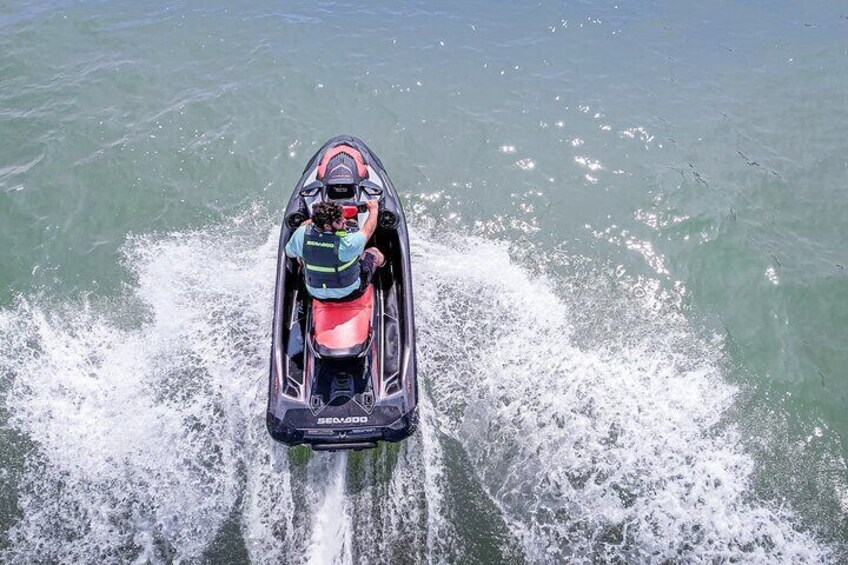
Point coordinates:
[[370, 223], [294, 248]]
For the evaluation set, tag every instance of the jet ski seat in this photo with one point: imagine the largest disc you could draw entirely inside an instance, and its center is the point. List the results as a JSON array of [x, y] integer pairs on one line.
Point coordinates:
[[342, 329]]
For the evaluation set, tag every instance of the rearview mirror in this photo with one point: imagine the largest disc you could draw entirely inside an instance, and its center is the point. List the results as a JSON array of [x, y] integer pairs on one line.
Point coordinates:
[[371, 188], [312, 188]]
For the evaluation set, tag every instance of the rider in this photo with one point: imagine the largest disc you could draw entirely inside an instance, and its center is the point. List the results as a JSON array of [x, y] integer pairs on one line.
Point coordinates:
[[337, 265]]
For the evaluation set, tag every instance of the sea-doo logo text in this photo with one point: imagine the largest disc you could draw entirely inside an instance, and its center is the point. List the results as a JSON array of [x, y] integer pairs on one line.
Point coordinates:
[[348, 420], [320, 244]]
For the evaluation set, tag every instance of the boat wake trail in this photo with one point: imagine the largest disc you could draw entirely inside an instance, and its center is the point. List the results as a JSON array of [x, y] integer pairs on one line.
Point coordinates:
[[615, 449], [137, 407], [145, 418], [144, 422], [331, 535]]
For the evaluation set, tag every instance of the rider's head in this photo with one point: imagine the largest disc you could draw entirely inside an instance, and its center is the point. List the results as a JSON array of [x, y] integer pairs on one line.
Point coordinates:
[[327, 215]]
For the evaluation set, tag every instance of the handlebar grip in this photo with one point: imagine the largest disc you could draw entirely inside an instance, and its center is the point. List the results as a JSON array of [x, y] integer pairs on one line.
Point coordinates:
[[362, 207]]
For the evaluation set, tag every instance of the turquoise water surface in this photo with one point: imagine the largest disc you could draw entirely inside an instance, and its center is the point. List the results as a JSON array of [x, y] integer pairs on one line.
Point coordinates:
[[629, 250]]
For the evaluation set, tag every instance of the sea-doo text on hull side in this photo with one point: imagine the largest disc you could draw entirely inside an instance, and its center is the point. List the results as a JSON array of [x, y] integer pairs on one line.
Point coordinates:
[[343, 374]]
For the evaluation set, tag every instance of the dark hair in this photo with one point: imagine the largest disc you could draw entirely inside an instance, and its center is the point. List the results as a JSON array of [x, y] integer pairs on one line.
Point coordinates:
[[325, 213]]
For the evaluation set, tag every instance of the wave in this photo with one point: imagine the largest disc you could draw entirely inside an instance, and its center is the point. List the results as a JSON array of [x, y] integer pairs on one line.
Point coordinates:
[[145, 413]]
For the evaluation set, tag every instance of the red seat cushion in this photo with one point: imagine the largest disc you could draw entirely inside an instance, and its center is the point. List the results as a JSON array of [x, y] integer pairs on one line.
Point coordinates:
[[343, 325]]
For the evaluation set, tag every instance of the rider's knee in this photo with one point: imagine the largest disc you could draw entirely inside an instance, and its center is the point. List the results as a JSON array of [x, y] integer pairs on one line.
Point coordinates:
[[378, 255]]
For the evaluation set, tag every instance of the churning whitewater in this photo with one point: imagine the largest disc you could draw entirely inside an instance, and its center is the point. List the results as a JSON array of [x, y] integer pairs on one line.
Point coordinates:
[[583, 424]]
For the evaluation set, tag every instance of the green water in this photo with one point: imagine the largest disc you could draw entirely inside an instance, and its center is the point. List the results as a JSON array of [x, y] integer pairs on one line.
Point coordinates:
[[676, 172]]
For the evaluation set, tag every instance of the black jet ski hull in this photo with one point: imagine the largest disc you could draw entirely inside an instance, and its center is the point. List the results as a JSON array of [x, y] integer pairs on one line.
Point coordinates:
[[333, 404]]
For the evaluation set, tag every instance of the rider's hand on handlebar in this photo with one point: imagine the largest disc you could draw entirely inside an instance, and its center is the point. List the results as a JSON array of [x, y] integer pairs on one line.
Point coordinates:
[[372, 206]]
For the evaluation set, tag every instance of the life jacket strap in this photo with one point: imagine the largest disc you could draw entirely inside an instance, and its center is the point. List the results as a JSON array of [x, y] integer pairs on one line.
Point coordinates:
[[342, 267]]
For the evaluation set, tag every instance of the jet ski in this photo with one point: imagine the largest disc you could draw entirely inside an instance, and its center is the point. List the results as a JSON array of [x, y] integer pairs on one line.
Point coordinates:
[[343, 374]]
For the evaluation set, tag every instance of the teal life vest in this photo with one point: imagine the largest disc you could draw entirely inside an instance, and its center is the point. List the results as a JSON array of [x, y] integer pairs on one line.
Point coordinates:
[[324, 269]]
